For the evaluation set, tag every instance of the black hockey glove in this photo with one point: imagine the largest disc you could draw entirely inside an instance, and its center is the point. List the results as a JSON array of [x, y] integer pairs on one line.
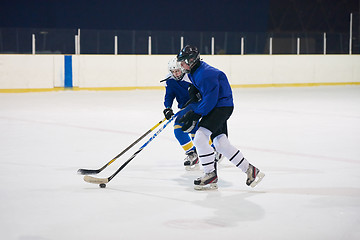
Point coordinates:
[[189, 120], [168, 113], [194, 93]]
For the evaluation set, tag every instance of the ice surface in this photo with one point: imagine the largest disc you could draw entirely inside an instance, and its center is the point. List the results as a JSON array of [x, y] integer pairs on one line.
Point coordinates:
[[306, 140]]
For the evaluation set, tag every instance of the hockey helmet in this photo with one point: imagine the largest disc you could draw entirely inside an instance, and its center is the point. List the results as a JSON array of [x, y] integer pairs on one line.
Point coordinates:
[[190, 55], [175, 69]]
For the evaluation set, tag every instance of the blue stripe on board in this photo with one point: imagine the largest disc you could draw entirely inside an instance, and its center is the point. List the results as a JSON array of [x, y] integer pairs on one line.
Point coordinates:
[[68, 81]]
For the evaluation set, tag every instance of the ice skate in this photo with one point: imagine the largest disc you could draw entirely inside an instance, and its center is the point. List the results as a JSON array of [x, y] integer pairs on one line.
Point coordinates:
[[207, 182], [254, 176], [191, 161], [218, 157]]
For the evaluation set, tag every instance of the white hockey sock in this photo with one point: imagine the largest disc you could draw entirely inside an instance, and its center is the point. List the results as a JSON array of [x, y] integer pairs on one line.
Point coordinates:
[[204, 150], [223, 145]]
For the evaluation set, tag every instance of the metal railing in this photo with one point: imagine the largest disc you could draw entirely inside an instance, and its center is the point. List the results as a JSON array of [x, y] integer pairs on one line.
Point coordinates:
[[76, 41]]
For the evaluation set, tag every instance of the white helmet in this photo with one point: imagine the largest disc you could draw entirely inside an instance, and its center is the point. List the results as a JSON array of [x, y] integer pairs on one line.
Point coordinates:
[[175, 69]]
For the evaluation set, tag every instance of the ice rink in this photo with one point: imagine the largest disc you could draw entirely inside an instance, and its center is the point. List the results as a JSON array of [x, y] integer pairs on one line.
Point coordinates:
[[306, 140]]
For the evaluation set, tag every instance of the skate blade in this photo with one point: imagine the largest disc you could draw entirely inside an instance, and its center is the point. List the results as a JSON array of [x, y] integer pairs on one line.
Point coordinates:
[[211, 186], [258, 179], [220, 159], [192, 168]]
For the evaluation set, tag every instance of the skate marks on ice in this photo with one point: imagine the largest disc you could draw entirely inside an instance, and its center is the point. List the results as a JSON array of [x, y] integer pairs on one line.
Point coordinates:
[[225, 207], [317, 191], [204, 209], [223, 211], [31, 237]]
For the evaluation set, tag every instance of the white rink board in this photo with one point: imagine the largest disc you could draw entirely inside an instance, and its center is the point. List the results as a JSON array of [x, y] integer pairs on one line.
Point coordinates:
[[31, 71], [98, 71]]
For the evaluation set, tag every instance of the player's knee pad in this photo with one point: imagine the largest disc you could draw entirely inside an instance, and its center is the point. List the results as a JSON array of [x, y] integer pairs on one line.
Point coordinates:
[[220, 141], [223, 145], [201, 139]]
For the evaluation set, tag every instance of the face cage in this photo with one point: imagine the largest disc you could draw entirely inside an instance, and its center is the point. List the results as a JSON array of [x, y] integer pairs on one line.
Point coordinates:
[[179, 77], [190, 62], [183, 70]]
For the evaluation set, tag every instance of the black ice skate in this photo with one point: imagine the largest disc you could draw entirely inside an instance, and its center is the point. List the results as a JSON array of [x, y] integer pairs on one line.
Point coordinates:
[[207, 182], [191, 161], [254, 176]]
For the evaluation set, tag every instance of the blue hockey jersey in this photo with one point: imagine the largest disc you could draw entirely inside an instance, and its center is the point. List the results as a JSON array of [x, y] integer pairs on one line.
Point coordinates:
[[214, 88], [177, 89]]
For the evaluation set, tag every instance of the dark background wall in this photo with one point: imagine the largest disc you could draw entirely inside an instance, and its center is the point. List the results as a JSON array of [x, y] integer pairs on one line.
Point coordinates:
[[195, 15], [55, 23], [203, 15], [311, 15]]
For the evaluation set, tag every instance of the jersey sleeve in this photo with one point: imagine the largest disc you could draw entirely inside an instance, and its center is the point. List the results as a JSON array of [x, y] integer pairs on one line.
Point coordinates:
[[169, 95]]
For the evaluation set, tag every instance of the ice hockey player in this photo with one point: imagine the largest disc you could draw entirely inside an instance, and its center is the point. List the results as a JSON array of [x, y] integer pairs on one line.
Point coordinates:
[[177, 87], [211, 116]]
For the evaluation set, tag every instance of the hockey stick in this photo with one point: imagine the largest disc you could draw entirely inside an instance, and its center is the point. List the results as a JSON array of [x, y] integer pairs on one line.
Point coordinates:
[[166, 79], [95, 180], [96, 171]]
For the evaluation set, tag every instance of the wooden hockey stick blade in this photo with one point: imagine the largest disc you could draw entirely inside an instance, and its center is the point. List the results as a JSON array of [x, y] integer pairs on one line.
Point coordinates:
[[95, 180]]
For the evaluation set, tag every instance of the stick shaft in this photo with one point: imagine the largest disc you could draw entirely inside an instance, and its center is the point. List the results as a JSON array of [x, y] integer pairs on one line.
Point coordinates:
[[141, 148], [95, 171], [95, 180]]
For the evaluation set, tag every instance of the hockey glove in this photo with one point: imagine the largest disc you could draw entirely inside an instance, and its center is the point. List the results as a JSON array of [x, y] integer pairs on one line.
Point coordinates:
[[168, 113], [194, 93], [194, 96], [189, 120]]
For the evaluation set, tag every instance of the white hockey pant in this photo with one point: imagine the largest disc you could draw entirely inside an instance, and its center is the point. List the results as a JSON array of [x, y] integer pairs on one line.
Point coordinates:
[[223, 146], [204, 150]]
